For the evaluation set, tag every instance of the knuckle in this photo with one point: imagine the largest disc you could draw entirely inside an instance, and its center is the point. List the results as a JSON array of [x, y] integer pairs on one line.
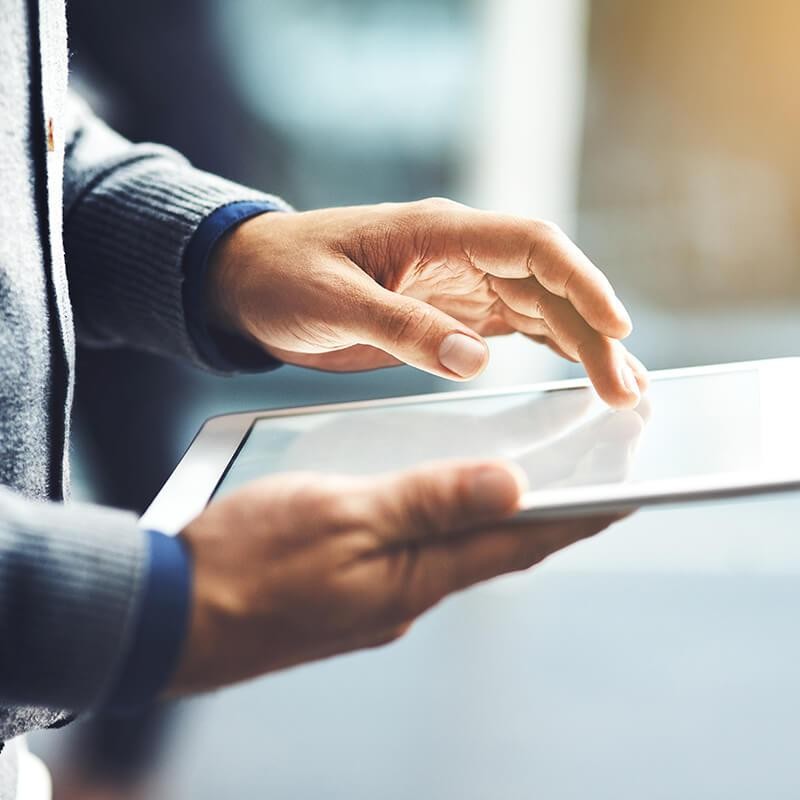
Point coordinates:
[[389, 636], [390, 598], [342, 513], [438, 204], [409, 324], [543, 259], [419, 514], [460, 496], [420, 214], [432, 507], [573, 270], [325, 505], [593, 347], [418, 211], [531, 258], [547, 267], [534, 302], [581, 348], [399, 631], [548, 229], [333, 505], [300, 490]]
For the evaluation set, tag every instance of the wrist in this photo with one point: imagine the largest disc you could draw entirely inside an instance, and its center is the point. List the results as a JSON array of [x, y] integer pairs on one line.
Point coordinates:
[[185, 679], [214, 609], [225, 293], [219, 339], [161, 627]]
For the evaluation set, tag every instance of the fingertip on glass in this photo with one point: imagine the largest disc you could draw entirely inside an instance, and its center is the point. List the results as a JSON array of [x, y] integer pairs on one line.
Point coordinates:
[[629, 380], [628, 394], [640, 370], [623, 317]]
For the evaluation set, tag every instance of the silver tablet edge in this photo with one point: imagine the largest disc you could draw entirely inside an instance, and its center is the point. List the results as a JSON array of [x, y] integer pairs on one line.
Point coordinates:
[[194, 480]]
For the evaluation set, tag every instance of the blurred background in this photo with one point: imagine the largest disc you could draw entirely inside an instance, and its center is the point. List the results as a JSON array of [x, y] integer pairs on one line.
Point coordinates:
[[656, 660]]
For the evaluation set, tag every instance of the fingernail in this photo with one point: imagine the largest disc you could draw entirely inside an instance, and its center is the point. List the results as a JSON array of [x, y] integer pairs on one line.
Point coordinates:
[[640, 370], [629, 380], [622, 312], [495, 490], [462, 354]]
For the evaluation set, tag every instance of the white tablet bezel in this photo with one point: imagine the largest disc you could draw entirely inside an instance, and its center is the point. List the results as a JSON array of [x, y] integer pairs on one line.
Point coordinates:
[[197, 476]]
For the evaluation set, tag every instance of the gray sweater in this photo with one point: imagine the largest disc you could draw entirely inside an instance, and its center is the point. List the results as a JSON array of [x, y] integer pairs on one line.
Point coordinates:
[[92, 235]]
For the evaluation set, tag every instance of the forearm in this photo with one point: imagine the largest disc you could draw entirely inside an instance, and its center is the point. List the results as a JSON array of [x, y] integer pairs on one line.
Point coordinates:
[[130, 213]]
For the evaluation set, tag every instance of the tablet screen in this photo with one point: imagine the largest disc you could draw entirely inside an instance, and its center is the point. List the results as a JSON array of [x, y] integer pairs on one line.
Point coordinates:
[[741, 422]]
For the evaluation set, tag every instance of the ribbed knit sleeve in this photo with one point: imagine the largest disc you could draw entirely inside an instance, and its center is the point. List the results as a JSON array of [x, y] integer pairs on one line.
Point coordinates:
[[69, 593], [130, 211]]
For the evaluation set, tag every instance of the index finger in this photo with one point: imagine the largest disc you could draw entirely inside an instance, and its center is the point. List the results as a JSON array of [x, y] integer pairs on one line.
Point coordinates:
[[514, 247]]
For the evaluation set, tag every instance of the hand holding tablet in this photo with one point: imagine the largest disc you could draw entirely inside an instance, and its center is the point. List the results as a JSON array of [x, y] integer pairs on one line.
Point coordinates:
[[300, 566], [296, 561]]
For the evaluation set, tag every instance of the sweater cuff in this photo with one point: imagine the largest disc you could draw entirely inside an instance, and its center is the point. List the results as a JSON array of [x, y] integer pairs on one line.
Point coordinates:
[[126, 236], [160, 629], [221, 351], [70, 586]]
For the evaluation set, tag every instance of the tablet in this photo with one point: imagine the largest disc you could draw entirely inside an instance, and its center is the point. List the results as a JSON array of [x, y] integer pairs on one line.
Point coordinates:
[[699, 433]]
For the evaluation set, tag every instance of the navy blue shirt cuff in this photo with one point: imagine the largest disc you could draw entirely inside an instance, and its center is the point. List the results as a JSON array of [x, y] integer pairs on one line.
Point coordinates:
[[160, 628], [220, 350]]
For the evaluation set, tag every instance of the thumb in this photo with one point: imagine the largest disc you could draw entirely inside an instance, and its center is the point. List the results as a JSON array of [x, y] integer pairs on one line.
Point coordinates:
[[446, 497], [420, 335]]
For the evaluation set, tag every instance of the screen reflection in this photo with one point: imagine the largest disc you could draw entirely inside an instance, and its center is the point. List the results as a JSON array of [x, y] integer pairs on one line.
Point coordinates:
[[696, 425]]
